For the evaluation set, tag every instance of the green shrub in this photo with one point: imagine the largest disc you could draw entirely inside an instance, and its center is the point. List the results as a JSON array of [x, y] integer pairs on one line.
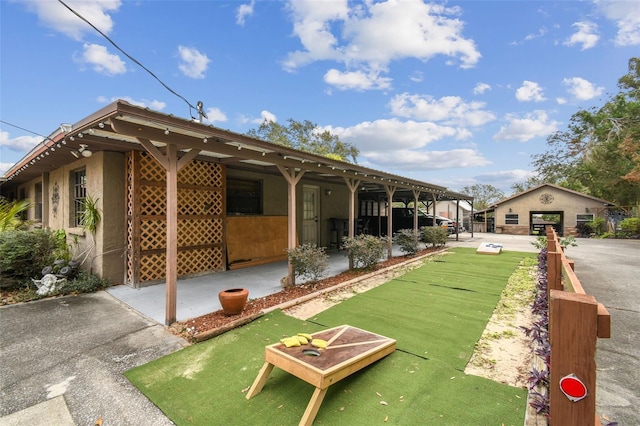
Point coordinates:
[[598, 225], [436, 236], [408, 240], [541, 242], [630, 225], [364, 250], [83, 283], [309, 261], [23, 254]]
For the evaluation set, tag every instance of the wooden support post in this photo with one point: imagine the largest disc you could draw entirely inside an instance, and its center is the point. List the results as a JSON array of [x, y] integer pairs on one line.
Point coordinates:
[[292, 179], [172, 235], [390, 189], [353, 185], [572, 332]]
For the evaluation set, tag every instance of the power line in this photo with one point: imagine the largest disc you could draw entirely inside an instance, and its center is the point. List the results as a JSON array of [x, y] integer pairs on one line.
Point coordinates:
[[199, 108], [26, 130]]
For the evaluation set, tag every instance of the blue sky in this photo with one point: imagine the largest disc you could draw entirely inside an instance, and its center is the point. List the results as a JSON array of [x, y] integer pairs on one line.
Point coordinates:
[[454, 93]]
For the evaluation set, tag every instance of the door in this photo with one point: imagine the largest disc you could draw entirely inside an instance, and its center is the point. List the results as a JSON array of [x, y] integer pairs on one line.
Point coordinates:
[[540, 220], [310, 197]]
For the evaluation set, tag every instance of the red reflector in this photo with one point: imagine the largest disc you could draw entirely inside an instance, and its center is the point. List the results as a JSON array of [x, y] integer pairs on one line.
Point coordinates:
[[573, 388]]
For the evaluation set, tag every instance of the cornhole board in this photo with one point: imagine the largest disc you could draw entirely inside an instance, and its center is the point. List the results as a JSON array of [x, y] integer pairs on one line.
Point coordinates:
[[349, 349], [489, 248]]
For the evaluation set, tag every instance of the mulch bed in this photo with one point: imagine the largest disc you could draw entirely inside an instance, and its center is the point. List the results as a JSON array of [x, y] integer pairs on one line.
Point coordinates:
[[214, 323]]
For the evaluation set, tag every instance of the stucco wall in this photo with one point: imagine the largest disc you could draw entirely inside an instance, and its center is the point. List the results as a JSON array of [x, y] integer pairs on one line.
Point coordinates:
[[105, 181]]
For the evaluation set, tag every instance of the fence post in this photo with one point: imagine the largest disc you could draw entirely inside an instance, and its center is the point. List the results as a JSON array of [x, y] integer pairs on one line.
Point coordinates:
[[572, 333], [554, 271]]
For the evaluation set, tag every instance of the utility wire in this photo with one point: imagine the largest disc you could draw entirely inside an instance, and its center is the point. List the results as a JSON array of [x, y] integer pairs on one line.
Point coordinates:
[[26, 130], [199, 109]]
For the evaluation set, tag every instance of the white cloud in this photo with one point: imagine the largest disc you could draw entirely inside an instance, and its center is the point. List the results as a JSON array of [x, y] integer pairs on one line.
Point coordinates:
[[626, 14], [532, 125], [417, 77], [413, 160], [586, 35], [356, 80], [144, 103], [101, 60], [194, 64], [54, 15], [372, 34], [244, 10], [481, 88], [20, 143], [582, 89], [561, 101], [505, 177], [451, 110], [541, 32], [530, 91], [215, 115], [376, 135], [264, 116]]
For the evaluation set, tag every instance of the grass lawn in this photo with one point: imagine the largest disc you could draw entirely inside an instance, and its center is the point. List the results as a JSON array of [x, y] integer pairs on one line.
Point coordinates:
[[436, 313]]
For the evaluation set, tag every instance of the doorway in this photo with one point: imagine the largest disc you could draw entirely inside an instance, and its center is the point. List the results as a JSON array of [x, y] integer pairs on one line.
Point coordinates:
[[539, 220], [310, 207]]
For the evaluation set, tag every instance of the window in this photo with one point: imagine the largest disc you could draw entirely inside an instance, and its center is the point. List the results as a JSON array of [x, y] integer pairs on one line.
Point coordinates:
[[79, 194], [511, 219], [369, 208], [38, 202], [584, 218], [244, 196]]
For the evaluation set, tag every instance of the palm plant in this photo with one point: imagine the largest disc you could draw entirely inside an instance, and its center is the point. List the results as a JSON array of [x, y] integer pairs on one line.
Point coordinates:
[[10, 214]]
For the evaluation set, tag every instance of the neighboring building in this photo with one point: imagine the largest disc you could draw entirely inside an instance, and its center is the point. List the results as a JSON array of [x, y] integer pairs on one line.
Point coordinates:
[[528, 212], [182, 198]]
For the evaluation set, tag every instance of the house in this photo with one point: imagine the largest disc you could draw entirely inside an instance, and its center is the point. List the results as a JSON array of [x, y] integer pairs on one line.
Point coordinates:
[[529, 212], [181, 198]]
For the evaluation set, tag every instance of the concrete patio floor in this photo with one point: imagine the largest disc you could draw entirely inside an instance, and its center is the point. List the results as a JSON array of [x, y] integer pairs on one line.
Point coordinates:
[[198, 296]]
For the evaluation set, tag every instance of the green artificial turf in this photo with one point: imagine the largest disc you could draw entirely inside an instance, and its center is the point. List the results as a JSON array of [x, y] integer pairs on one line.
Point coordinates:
[[449, 302]]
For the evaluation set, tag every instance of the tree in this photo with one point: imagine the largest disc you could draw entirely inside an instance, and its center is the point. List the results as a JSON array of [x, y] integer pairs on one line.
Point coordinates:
[[483, 195], [599, 153], [306, 136]]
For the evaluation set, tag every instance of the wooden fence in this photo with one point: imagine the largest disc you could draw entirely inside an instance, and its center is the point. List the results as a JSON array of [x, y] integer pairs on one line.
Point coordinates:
[[576, 321]]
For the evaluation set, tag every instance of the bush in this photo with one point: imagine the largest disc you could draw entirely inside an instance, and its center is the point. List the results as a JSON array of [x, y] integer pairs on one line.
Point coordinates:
[[23, 255], [435, 236], [583, 229], [630, 226], [83, 283], [598, 225], [408, 241], [365, 250], [309, 261]]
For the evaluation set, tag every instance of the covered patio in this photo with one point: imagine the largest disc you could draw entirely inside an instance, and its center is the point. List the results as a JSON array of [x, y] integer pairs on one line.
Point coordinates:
[[198, 296], [185, 222]]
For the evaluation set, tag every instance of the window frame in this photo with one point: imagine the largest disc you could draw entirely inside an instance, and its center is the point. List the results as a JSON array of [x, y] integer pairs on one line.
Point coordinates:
[[244, 196], [79, 194], [510, 220]]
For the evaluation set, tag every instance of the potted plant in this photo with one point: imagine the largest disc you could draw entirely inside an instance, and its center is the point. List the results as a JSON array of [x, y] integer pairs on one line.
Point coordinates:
[[233, 300]]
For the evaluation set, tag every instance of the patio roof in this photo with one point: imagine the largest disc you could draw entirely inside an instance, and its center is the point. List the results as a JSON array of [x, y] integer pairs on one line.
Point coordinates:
[[120, 126]]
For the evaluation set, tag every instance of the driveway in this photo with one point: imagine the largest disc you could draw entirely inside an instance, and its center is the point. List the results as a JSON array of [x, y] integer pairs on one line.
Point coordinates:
[[64, 358]]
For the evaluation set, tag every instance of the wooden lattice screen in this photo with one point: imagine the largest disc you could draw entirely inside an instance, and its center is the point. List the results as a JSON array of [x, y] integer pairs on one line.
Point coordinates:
[[201, 232]]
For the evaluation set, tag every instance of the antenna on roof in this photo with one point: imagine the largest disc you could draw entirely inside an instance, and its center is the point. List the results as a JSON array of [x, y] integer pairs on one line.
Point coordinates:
[[201, 113]]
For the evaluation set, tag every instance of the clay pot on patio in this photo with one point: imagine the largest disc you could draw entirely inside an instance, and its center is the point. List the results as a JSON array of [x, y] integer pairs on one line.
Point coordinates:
[[233, 300]]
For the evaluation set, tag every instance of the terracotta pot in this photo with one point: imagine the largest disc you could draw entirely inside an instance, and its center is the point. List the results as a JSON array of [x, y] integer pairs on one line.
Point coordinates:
[[233, 300]]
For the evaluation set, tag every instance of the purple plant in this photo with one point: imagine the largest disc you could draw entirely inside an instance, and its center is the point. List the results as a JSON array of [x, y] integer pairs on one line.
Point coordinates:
[[539, 334]]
